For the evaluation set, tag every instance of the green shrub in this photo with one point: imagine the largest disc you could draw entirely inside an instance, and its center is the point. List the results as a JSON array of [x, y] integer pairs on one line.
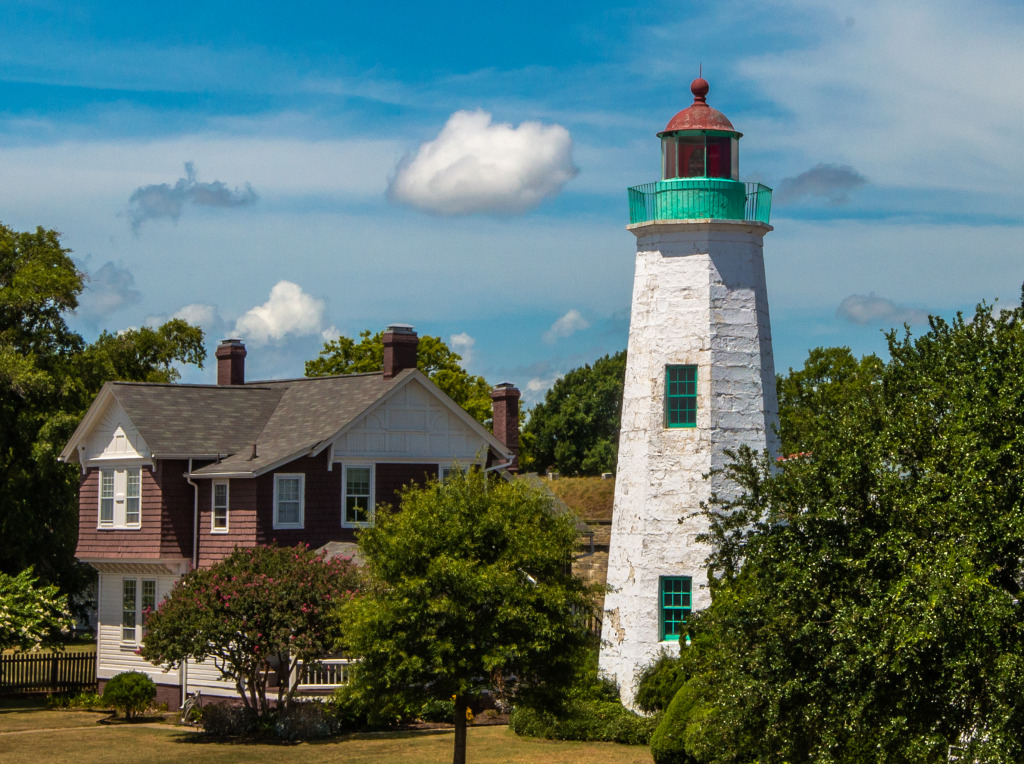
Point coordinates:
[[227, 720], [305, 720], [356, 709], [658, 682], [438, 711], [130, 692], [83, 701], [585, 720], [670, 743]]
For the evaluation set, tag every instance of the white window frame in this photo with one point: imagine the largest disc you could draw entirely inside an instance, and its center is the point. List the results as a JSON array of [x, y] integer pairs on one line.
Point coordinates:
[[119, 494], [140, 599], [345, 523], [214, 527], [280, 478]]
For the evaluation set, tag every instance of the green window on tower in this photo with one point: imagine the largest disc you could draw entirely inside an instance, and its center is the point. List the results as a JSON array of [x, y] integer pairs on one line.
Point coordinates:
[[680, 396], [674, 605]]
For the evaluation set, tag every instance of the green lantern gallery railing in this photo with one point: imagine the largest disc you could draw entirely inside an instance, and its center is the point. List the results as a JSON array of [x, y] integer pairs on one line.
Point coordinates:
[[700, 199]]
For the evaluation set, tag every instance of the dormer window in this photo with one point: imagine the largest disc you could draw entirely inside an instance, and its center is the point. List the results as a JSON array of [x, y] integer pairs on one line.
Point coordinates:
[[120, 504]]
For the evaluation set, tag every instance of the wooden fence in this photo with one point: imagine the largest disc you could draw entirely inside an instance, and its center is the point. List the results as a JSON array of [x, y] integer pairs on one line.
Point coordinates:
[[47, 672]]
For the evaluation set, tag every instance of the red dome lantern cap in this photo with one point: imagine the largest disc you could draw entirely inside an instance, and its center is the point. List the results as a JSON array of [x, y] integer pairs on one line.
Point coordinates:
[[699, 116]]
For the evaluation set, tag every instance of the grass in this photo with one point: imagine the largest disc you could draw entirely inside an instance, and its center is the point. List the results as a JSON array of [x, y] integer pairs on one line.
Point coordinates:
[[589, 497], [81, 741]]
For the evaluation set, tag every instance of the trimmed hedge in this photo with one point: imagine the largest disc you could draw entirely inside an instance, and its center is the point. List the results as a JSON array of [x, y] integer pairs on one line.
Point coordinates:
[[130, 692], [585, 720]]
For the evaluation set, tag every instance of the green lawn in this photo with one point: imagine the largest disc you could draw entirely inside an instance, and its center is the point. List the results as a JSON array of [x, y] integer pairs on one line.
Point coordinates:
[[35, 736]]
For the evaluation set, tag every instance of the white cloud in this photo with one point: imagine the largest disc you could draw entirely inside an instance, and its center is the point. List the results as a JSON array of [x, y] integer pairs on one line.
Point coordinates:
[[107, 290], [289, 311], [476, 166], [872, 309], [462, 344], [567, 325], [200, 314]]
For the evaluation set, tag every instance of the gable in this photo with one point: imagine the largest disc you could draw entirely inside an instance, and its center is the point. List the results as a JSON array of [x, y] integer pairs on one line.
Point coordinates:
[[113, 437], [411, 424]]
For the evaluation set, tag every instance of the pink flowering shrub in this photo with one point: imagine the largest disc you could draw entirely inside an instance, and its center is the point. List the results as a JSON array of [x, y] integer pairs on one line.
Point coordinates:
[[254, 616]]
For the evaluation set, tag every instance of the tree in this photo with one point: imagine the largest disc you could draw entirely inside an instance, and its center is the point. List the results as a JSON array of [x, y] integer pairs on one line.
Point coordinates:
[[575, 430], [31, 616], [256, 611], [469, 585], [866, 598], [48, 378], [433, 357]]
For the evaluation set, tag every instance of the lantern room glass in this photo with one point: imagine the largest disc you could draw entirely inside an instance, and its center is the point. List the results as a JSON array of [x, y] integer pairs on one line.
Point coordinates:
[[700, 155]]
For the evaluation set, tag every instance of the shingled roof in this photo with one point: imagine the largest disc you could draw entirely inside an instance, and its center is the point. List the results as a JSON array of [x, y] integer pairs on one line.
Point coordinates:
[[282, 419]]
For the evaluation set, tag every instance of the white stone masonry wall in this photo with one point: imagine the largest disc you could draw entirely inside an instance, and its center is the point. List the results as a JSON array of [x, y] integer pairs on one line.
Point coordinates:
[[699, 298]]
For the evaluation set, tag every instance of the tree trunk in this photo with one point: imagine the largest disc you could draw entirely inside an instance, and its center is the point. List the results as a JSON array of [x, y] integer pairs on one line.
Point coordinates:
[[459, 757]]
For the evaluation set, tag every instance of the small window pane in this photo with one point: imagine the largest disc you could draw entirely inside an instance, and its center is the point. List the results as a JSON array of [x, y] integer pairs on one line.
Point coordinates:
[[220, 506], [675, 605], [148, 600], [289, 501], [107, 497], [681, 396], [357, 495], [132, 514], [128, 592]]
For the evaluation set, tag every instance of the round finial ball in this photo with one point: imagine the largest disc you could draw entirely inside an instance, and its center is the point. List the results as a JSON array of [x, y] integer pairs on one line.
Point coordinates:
[[699, 87]]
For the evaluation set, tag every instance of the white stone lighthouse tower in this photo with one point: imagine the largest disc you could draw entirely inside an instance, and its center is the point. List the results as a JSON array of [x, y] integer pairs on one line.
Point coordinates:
[[700, 379]]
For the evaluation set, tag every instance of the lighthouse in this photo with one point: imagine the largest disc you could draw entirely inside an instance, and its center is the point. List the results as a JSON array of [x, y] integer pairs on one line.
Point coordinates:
[[700, 380]]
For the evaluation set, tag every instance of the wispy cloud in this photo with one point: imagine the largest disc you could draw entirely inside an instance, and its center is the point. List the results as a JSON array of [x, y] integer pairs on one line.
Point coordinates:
[[107, 290], [566, 326], [165, 201], [872, 309], [477, 166], [832, 182], [288, 312]]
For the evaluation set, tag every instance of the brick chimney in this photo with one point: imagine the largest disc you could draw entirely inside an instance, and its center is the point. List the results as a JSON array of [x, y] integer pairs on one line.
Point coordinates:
[[231, 362], [505, 404], [400, 343]]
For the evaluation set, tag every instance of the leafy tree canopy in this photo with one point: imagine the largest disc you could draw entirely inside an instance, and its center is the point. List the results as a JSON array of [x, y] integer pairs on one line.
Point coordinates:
[[257, 610], [469, 586], [867, 597], [31, 616], [433, 357], [575, 430], [48, 377]]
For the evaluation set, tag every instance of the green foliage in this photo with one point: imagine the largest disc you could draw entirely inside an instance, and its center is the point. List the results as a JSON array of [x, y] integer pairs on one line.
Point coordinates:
[[588, 720], [85, 701], [130, 692], [433, 357], [575, 430], [48, 378], [866, 599], [670, 743], [659, 681], [32, 616], [257, 609], [470, 585]]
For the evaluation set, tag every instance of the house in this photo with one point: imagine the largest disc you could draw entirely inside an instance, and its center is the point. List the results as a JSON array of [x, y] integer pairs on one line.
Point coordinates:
[[174, 477]]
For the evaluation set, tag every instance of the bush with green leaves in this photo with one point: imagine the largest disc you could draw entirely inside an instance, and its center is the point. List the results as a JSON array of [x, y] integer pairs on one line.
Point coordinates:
[[255, 612], [31, 616], [866, 596], [585, 720], [130, 692], [659, 681], [470, 584]]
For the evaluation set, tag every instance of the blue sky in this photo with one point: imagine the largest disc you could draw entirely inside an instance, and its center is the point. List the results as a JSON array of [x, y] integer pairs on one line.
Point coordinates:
[[288, 173]]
